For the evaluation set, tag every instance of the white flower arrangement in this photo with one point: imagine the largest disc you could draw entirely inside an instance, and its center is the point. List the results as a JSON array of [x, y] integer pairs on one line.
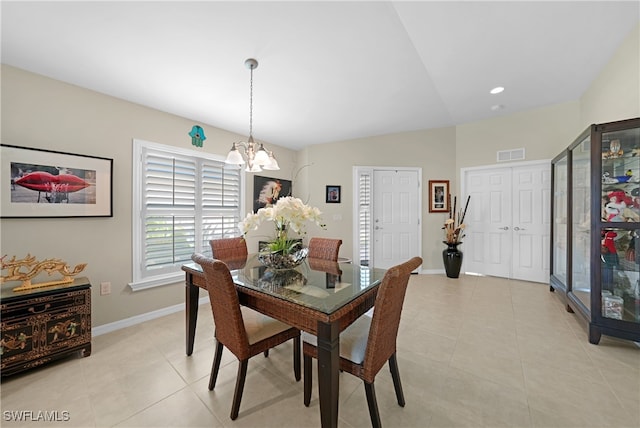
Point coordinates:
[[288, 214]]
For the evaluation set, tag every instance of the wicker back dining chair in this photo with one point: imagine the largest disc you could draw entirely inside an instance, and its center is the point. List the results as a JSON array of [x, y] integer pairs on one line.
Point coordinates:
[[368, 343], [242, 330], [324, 248], [228, 248], [232, 251]]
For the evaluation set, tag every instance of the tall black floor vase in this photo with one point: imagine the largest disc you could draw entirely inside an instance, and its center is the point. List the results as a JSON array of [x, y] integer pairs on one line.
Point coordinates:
[[452, 258]]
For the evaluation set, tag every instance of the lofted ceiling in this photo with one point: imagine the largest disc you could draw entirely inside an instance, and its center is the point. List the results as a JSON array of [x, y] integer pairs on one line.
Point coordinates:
[[329, 70]]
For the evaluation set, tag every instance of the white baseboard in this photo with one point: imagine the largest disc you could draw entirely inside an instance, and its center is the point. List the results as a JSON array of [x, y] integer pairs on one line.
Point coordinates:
[[431, 271], [128, 322]]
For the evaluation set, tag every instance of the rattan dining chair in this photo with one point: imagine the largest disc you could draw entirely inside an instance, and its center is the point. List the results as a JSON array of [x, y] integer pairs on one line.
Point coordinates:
[[324, 248], [242, 330], [368, 343], [232, 251], [228, 248]]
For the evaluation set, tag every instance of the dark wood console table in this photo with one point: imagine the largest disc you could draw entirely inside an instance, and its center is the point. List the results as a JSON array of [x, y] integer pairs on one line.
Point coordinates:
[[44, 324]]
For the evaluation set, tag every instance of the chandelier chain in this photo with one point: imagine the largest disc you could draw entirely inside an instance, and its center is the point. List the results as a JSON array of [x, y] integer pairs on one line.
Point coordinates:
[[251, 105]]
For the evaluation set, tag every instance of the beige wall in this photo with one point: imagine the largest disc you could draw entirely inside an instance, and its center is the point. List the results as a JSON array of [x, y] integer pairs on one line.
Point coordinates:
[[431, 150], [542, 132], [615, 93], [43, 113]]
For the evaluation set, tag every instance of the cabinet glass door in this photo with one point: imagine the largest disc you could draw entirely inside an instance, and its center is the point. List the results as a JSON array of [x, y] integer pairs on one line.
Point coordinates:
[[621, 176], [560, 220], [620, 238], [581, 221]]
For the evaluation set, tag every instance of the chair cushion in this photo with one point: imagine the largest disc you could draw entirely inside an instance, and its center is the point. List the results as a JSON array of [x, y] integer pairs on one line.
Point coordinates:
[[353, 340], [260, 326]]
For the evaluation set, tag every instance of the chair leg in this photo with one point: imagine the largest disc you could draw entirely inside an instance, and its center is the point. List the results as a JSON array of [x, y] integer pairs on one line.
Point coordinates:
[[296, 357], [308, 376], [266, 353], [237, 395], [395, 374], [373, 405], [216, 365]]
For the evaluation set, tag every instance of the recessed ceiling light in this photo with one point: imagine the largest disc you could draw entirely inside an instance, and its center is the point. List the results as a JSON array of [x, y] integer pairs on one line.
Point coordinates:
[[497, 107], [496, 90]]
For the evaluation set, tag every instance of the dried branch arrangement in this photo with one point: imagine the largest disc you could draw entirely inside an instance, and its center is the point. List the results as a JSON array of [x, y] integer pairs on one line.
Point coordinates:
[[454, 225]]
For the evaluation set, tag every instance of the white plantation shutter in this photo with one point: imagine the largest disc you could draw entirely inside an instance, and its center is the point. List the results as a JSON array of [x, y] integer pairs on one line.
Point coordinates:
[[364, 218], [168, 211], [182, 199], [220, 197]]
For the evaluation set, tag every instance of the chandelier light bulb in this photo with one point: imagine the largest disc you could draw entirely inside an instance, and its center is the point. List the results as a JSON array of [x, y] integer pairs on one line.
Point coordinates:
[[234, 157], [272, 164], [262, 157]]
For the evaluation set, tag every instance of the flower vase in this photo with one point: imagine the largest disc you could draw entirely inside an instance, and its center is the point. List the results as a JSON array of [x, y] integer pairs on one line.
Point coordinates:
[[281, 260], [452, 258]]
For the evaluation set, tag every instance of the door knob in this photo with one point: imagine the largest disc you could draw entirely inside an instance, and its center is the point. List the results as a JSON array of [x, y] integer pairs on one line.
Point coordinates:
[[378, 227], [518, 228], [504, 228]]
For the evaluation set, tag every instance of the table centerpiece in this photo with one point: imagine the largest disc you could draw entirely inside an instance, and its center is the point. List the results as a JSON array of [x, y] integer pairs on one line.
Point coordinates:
[[289, 215]]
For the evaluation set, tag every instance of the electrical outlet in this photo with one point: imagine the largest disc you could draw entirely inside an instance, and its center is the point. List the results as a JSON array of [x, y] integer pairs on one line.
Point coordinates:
[[105, 288]]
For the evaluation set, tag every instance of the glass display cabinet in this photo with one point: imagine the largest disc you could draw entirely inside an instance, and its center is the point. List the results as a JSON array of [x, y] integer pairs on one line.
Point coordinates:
[[558, 272], [595, 248]]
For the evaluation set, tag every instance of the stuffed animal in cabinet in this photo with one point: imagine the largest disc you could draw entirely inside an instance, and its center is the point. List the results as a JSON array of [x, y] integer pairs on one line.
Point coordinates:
[[608, 242], [618, 206], [613, 209]]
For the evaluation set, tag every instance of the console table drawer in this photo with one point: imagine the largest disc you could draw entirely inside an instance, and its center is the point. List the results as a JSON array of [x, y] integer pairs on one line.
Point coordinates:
[[44, 304]]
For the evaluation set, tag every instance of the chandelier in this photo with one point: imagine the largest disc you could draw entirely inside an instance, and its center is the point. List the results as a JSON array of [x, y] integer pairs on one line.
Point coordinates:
[[257, 157]]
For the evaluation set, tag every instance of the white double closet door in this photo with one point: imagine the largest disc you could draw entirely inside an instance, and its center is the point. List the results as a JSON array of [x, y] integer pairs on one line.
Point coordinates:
[[507, 223]]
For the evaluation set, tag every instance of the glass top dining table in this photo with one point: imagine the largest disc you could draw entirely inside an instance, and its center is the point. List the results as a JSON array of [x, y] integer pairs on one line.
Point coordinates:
[[317, 284], [320, 297]]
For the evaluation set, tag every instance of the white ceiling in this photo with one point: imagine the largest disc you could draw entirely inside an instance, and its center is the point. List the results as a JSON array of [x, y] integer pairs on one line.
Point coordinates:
[[328, 71]]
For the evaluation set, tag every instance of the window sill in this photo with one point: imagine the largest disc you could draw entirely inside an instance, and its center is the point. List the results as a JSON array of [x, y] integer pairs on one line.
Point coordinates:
[[157, 281]]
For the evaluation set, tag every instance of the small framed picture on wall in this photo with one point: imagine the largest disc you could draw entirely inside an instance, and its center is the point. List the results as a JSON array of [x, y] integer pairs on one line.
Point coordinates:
[[438, 196], [333, 194]]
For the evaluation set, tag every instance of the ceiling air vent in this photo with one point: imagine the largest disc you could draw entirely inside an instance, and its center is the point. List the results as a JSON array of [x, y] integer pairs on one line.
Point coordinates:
[[510, 155]]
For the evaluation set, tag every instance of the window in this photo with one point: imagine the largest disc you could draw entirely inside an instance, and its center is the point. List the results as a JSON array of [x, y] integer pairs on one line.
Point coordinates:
[[181, 200], [363, 226]]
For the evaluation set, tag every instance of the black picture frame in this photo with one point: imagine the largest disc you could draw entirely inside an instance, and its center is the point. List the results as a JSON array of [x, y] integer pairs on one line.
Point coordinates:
[[39, 183], [333, 195], [267, 191]]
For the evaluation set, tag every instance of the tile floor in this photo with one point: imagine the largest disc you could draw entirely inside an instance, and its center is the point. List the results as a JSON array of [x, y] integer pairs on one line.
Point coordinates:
[[473, 352]]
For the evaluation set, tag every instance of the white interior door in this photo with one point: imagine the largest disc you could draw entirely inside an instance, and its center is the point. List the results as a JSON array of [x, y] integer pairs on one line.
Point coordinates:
[[395, 225], [531, 225], [508, 221], [487, 245]]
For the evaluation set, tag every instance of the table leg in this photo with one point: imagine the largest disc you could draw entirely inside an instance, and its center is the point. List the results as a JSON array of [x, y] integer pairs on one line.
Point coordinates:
[[192, 294], [328, 371]]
